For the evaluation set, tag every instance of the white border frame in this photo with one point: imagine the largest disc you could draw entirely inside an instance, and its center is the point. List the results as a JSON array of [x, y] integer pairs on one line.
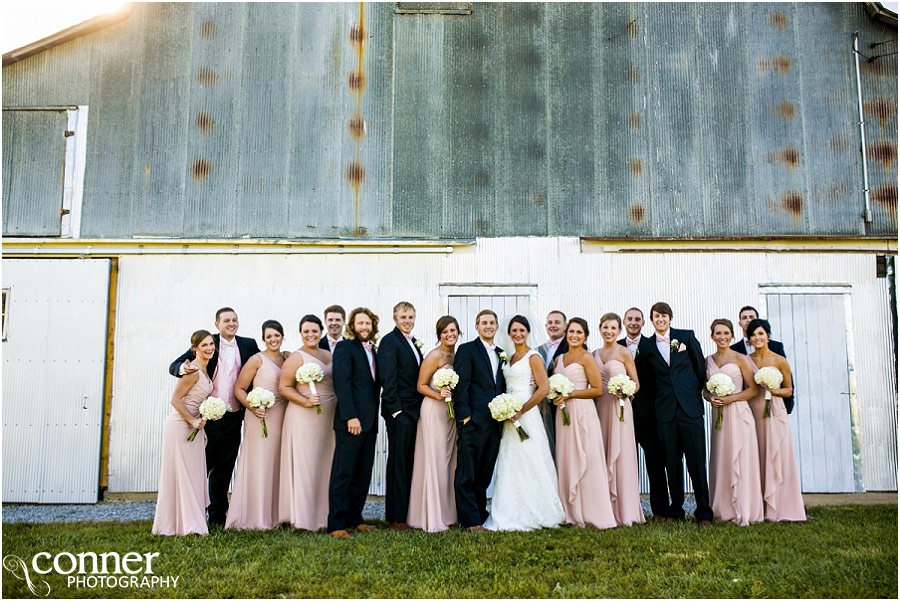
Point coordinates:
[[73, 172]]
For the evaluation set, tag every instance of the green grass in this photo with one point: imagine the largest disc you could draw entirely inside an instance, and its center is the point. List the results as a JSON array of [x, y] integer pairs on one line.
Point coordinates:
[[842, 551]]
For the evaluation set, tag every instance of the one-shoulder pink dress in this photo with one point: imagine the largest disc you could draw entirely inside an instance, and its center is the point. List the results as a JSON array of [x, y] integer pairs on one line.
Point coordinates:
[[778, 468], [254, 497], [735, 491], [432, 502], [580, 460], [620, 448], [307, 447], [183, 495]]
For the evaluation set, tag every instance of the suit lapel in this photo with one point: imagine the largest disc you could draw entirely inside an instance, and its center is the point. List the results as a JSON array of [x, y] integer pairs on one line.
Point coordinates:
[[365, 357], [655, 349], [484, 355], [404, 343]]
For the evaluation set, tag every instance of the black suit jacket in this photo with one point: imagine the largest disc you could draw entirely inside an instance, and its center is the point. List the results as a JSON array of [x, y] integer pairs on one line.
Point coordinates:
[[777, 348], [354, 387], [399, 373], [643, 398], [562, 349], [323, 343], [476, 387], [247, 347], [681, 381]]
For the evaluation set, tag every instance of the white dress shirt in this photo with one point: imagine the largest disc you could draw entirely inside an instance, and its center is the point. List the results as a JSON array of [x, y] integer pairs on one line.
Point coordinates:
[[492, 355], [552, 345], [412, 345], [749, 347], [664, 348], [332, 342], [632, 344]]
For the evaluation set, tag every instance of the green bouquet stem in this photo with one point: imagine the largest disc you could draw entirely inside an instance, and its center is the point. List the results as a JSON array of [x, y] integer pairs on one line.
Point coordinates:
[[193, 435], [767, 412], [449, 402], [265, 432], [319, 409], [565, 415], [523, 435], [718, 418]]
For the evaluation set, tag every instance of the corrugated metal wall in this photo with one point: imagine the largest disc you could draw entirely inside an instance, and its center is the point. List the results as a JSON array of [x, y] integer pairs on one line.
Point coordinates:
[[325, 120], [163, 299]]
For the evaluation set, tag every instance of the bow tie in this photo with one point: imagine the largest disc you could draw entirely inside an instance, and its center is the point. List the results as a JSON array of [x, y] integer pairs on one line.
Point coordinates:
[[632, 341], [662, 338], [367, 346], [408, 336], [229, 343]]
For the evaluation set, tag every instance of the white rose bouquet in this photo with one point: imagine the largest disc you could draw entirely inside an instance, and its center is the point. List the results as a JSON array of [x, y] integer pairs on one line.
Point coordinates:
[[503, 407], [310, 373], [561, 386], [446, 378], [211, 409], [260, 398], [623, 387], [771, 378], [720, 385]]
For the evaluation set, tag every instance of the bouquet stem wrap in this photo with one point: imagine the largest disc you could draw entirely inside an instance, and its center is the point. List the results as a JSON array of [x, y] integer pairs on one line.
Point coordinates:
[[523, 435], [767, 412], [621, 409], [449, 401], [565, 415], [312, 389]]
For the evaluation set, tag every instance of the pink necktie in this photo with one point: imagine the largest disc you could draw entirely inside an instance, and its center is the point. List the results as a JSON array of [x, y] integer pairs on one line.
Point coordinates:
[[369, 346]]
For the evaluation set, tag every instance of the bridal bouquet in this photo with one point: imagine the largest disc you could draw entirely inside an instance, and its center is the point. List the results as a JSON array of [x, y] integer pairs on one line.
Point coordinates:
[[310, 373], [561, 386], [446, 378], [770, 377], [212, 408], [720, 385], [622, 386], [260, 398], [503, 407]]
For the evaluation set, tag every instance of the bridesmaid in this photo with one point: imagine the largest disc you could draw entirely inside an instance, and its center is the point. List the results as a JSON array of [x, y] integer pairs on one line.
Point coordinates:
[[778, 469], [580, 462], [734, 485], [307, 441], [183, 495], [254, 497], [618, 436], [432, 503]]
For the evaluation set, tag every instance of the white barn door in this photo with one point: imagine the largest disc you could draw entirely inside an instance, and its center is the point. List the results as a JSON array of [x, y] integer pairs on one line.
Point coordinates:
[[54, 353]]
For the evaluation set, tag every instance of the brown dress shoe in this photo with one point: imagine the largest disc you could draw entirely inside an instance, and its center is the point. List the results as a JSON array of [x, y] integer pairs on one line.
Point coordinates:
[[477, 529], [365, 528], [398, 527], [704, 523], [340, 534]]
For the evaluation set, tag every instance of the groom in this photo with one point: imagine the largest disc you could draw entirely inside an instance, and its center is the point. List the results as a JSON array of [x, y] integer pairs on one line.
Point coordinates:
[[480, 379]]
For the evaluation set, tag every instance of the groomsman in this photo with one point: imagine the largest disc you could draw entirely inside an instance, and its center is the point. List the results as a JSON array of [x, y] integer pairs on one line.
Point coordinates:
[[356, 387], [645, 431], [549, 351], [745, 316], [334, 324], [480, 379], [399, 359], [223, 436], [673, 362]]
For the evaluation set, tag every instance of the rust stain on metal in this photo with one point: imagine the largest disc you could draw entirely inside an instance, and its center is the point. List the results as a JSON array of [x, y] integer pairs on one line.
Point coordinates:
[[482, 227], [632, 28], [883, 109], [360, 231], [637, 213], [789, 155], [886, 196], [356, 173], [786, 110], [200, 169], [207, 29], [878, 68], [633, 74], [356, 80], [792, 202], [204, 122], [839, 143], [634, 120], [780, 63], [778, 20], [884, 152], [206, 76], [481, 178], [357, 34], [635, 166], [539, 199], [357, 127]]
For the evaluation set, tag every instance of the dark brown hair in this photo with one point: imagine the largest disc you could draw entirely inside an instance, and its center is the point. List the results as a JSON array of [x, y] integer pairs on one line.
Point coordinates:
[[485, 312], [611, 316], [271, 323], [442, 324], [721, 322], [224, 310], [334, 309], [584, 326], [661, 308], [518, 319], [196, 338]]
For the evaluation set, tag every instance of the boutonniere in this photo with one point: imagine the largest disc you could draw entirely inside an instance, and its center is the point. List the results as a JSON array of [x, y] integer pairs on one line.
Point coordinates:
[[418, 344], [674, 344], [503, 356]]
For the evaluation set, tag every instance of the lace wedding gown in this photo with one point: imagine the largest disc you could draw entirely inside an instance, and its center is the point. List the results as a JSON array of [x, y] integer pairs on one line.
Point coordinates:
[[525, 488]]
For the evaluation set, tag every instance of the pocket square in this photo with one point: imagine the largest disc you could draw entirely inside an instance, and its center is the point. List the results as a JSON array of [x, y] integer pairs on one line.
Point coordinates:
[[681, 347]]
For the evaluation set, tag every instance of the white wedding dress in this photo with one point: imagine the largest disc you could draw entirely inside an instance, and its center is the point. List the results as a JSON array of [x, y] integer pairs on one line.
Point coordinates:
[[525, 487]]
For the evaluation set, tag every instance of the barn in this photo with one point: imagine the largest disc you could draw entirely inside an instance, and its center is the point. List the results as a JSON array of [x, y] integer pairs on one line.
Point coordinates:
[[172, 158]]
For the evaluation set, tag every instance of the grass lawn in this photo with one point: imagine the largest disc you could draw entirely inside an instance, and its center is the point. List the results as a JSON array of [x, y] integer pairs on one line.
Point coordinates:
[[842, 551]]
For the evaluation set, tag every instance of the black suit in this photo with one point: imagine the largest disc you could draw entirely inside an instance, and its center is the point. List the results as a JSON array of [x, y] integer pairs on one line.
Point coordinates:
[[324, 344], [777, 348], [678, 405], [223, 436], [398, 367], [351, 468], [479, 439], [646, 435]]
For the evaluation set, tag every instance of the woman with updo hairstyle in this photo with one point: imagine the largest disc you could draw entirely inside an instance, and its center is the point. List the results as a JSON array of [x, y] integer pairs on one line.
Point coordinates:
[[183, 495], [254, 495], [307, 439], [432, 500], [734, 487], [580, 460], [783, 501]]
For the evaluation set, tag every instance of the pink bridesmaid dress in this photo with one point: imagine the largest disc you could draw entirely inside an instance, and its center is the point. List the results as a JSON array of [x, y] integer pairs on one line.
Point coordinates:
[[254, 498], [734, 485], [778, 468], [432, 502], [307, 447], [183, 495], [620, 449], [580, 461]]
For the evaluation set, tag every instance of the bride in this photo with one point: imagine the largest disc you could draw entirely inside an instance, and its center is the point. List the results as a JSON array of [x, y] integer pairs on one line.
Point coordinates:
[[525, 489]]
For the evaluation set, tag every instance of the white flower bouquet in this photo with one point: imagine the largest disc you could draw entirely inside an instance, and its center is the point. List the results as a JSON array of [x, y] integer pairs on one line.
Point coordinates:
[[503, 407], [623, 387], [561, 386], [446, 378], [720, 385], [211, 409], [310, 373], [260, 398], [771, 378]]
